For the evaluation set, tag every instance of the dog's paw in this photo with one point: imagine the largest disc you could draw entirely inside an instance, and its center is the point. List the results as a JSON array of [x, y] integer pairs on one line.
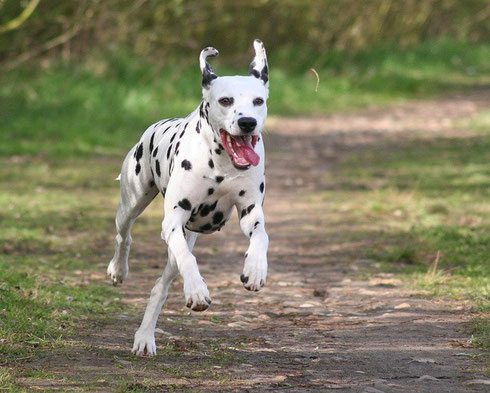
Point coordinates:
[[117, 272], [196, 294], [254, 273], [144, 344]]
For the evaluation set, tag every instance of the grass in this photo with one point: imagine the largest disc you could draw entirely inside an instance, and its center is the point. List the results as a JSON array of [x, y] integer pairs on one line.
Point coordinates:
[[49, 288], [101, 106]]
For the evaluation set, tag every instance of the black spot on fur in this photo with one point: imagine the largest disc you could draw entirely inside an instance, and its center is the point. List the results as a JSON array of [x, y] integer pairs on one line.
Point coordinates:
[[255, 73], [210, 191], [198, 127], [171, 167], [204, 211], [208, 76], [242, 193], [256, 223], [177, 146], [217, 218], [250, 208], [139, 152], [155, 152], [261, 187], [166, 129], [219, 179], [157, 168], [250, 234], [173, 137], [168, 151], [152, 183], [264, 74], [243, 214], [186, 165], [206, 227], [213, 206], [211, 163], [217, 151], [151, 142], [138, 168], [185, 204]]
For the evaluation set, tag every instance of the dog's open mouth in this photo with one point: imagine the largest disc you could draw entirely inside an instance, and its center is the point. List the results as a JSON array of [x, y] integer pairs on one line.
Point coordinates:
[[241, 149]]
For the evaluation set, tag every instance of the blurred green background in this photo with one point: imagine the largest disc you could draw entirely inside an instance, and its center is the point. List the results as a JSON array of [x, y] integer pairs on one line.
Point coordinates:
[[92, 73]]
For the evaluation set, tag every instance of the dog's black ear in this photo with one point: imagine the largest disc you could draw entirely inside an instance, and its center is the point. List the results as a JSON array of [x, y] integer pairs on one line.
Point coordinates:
[[258, 66], [207, 71]]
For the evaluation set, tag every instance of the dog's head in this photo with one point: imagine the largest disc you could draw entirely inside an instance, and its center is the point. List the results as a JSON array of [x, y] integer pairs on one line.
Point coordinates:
[[237, 105]]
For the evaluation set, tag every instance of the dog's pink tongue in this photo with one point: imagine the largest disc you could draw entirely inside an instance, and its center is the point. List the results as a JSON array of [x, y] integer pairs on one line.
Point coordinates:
[[249, 154]]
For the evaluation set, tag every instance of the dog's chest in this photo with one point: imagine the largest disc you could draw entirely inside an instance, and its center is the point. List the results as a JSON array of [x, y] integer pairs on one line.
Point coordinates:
[[210, 215]]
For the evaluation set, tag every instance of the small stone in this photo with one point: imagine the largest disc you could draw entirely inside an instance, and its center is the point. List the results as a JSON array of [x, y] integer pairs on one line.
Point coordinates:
[[423, 360], [402, 306], [320, 292], [478, 382], [428, 378]]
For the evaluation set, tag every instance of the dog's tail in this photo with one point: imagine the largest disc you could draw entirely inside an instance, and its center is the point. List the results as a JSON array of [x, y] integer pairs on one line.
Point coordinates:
[[118, 178]]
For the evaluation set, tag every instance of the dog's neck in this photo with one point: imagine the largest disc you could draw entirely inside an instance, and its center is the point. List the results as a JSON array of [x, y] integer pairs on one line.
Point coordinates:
[[206, 130]]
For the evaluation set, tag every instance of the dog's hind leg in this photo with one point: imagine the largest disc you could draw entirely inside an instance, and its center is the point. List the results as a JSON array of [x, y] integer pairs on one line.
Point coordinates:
[[144, 339], [137, 191]]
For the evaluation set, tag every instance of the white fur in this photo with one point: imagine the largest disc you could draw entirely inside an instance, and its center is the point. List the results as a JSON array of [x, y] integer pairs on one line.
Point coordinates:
[[195, 141]]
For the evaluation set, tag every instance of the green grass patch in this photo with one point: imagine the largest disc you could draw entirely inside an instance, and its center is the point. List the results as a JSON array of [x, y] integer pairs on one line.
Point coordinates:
[[102, 106], [51, 283]]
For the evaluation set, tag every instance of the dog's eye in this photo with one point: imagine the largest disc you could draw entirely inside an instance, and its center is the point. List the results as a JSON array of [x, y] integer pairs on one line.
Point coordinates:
[[258, 101], [226, 101]]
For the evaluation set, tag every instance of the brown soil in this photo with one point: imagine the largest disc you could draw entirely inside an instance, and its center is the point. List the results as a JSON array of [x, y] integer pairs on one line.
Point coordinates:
[[317, 326]]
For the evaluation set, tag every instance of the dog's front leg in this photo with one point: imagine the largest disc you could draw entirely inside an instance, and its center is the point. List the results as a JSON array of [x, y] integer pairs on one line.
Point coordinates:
[[195, 290], [252, 225]]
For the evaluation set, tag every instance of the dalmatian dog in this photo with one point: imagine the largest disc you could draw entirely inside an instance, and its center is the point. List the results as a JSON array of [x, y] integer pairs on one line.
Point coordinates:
[[204, 165]]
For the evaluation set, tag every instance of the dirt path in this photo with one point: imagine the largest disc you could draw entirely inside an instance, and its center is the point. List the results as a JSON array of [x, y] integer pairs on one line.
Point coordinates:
[[317, 326]]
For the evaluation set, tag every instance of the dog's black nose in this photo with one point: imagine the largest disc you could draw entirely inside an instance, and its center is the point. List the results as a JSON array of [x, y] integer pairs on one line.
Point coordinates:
[[247, 124]]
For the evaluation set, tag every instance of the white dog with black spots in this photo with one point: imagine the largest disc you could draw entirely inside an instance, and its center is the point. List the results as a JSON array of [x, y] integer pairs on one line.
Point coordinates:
[[203, 165]]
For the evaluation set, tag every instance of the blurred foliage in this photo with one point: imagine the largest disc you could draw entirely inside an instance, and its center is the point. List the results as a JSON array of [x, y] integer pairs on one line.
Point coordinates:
[[157, 29]]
